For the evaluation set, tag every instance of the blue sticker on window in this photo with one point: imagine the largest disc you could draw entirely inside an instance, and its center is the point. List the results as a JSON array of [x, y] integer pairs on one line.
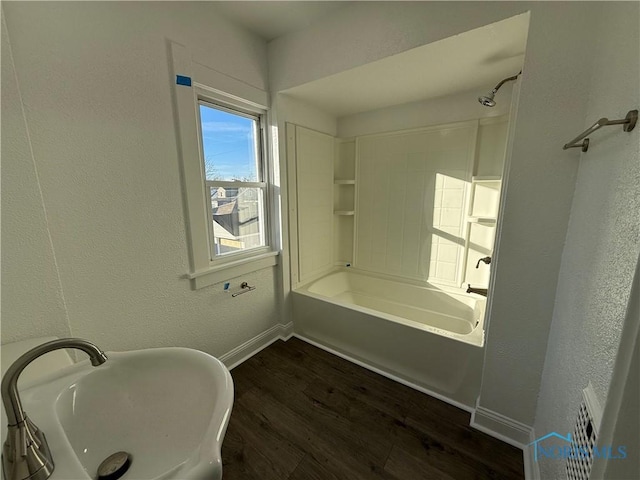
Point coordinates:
[[182, 80]]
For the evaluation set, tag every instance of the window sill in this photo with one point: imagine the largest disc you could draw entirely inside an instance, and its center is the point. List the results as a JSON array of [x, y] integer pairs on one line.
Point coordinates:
[[220, 273]]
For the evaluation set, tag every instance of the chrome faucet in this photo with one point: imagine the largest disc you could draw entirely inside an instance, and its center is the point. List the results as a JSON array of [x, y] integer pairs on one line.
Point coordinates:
[[26, 454], [486, 260]]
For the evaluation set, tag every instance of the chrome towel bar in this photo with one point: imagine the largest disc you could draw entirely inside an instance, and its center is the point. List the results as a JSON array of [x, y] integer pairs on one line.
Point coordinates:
[[628, 122]]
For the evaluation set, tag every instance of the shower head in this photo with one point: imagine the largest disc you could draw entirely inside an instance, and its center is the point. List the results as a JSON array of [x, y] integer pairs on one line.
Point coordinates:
[[487, 100]]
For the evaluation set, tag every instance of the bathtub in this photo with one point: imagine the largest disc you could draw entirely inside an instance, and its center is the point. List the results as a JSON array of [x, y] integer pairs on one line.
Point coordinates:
[[427, 337]]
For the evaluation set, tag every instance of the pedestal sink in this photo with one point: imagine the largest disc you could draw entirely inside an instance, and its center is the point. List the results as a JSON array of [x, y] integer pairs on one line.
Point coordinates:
[[168, 408]]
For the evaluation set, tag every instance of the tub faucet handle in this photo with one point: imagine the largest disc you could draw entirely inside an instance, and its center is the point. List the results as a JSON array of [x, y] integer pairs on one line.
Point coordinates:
[[486, 260], [480, 291]]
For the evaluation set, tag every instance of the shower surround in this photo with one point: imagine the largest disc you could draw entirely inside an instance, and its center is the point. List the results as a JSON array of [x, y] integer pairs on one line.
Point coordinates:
[[382, 284]]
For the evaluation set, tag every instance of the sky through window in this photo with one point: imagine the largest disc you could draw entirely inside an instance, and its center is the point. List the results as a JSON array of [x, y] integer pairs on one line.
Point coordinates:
[[229, 145]]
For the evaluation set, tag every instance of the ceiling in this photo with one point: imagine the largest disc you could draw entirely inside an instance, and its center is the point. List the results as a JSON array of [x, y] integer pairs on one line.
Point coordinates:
[[477, 59], [270, 19]]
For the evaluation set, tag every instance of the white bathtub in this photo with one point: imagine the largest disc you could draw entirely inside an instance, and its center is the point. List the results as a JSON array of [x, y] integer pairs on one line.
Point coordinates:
[[428, 337]]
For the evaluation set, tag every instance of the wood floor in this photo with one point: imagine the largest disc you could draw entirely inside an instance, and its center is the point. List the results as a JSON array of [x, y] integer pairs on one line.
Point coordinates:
[[301, 413]]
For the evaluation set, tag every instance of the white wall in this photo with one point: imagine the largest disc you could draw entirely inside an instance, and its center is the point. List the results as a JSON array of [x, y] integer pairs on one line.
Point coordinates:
[[363, 32], [437, 111], [286, 109], [32, 302], [552, 107], [603, 239], [293, 110], [96, 89]]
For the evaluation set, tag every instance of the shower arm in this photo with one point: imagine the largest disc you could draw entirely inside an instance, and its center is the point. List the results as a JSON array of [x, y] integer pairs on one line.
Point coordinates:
[[497, 87]]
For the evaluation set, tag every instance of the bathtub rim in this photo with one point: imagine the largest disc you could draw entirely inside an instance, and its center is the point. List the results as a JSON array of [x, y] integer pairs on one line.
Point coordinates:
[[475, 338]]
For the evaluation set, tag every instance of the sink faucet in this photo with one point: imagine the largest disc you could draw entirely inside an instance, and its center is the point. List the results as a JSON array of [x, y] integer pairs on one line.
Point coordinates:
[[479, 291], [26, 454]]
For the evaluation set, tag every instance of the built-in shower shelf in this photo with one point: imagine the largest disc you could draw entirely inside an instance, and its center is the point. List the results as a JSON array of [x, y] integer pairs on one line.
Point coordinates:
[[344, 182], [482, 220], [486, 178], [344, 212]]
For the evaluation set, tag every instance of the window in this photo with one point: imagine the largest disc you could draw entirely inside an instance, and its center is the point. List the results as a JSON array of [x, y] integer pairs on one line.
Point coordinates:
[[230, 207], [233, 161]]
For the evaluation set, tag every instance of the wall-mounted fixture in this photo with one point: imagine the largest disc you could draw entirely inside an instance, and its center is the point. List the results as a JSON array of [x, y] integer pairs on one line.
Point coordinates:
[[487, 100], [244, 288], [486, 260], [480, 291], [628, 123]]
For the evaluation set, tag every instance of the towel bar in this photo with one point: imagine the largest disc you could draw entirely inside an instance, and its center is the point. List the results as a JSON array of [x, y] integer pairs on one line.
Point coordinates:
[[629, 123]]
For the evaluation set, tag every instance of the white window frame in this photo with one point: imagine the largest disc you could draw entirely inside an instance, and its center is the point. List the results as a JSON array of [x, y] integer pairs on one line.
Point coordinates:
[[259, 116], [199, 83]]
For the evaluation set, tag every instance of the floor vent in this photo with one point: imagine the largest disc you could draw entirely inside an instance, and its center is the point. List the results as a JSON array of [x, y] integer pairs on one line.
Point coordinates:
[[584, 437]]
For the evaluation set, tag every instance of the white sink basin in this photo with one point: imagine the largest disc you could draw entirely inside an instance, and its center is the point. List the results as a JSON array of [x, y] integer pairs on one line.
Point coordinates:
[[167, 407]]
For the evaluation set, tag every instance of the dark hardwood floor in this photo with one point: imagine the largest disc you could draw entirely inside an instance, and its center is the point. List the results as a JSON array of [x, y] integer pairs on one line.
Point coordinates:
[[302, 413]]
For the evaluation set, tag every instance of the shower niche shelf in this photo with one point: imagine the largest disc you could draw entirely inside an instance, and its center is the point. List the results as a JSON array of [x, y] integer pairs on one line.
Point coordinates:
[[489, 221], [485, 199], [344, 182], [344, 199], [344, 178]]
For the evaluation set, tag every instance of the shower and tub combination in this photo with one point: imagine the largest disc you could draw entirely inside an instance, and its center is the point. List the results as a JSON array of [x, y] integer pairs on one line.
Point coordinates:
[[426, 337], [392, 238]]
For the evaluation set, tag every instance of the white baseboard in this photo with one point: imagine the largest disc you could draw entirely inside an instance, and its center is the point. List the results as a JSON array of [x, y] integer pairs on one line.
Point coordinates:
[[503, 428], [385, 373], [531, 467], [252, 346]]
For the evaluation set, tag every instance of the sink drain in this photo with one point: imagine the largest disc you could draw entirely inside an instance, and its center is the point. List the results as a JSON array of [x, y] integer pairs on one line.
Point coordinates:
[[114, 466]]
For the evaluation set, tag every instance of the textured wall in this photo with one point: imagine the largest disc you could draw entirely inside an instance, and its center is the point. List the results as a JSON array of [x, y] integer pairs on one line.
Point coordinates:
[[32, 301], [603, 240], [96, 88], [541, 176], [537, 200]]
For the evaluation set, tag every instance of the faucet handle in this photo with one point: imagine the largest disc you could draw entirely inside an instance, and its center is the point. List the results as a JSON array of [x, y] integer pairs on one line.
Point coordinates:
[[23, 439]]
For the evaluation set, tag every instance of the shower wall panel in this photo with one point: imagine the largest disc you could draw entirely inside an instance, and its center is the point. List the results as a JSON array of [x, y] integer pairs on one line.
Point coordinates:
[[411, 201], [314, 171]]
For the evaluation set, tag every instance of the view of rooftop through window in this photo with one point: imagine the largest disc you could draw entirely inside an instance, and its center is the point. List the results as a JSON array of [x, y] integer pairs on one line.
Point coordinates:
[[230, 144]]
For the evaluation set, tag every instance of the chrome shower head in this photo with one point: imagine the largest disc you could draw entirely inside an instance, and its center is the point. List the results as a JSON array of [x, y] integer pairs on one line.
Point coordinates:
[[487, 100]]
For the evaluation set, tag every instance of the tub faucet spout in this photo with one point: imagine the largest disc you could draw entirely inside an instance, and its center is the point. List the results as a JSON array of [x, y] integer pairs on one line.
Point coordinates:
[[479, 291], [26, 454], [486, 260]]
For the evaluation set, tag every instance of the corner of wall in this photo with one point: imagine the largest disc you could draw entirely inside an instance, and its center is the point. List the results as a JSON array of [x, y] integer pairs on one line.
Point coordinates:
[[254, 345], [503, 428]]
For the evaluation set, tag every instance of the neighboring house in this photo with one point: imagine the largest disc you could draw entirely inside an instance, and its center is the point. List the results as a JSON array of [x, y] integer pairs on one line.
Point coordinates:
[[236, 219]]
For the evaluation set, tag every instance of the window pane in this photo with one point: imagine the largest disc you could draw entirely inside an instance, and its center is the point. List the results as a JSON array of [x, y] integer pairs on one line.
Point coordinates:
[[230, 145], [238, 219]]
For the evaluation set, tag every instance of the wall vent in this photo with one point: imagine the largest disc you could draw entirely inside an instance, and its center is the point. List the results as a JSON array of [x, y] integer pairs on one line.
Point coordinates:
[[584, 436]]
